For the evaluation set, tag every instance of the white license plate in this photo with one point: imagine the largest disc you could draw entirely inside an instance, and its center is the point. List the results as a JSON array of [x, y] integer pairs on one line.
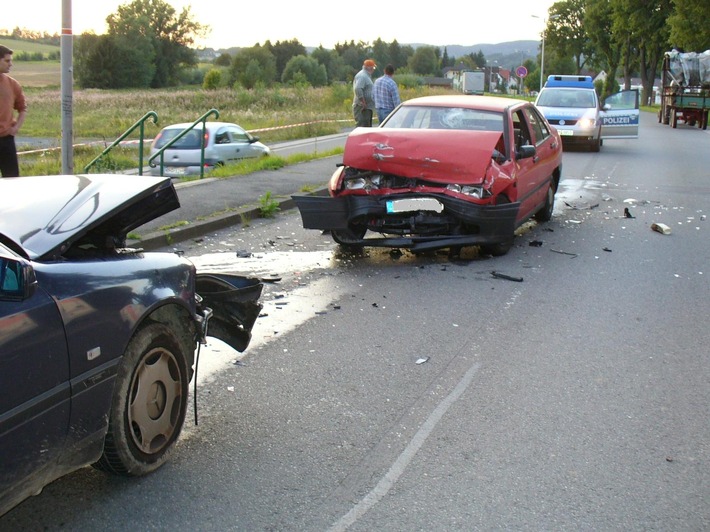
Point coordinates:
[[414, 204], [180, 170], [565, 132]]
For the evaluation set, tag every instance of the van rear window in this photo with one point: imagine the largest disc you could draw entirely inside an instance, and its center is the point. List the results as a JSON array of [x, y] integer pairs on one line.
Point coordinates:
[[191, 140]]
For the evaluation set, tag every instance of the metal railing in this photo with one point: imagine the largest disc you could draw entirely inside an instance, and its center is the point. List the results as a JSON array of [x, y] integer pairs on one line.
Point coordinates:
[[161, 152], [141, 124]]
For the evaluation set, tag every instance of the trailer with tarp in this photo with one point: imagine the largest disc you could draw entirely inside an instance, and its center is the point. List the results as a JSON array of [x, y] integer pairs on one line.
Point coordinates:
[[685, 95]]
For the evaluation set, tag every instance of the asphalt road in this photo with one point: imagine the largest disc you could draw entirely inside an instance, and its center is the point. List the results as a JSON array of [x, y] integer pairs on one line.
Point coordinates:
[[576, 399]]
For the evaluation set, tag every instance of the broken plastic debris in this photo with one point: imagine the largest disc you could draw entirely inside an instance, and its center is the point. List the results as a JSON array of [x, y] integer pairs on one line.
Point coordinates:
[[506, 277], [573, 221], [573, 255], [661, 228], [535, 243], [627, 213], [230, 388], [422, 360]]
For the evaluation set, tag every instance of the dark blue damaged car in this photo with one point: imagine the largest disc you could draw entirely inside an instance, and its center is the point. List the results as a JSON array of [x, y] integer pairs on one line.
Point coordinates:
[[98, 341]]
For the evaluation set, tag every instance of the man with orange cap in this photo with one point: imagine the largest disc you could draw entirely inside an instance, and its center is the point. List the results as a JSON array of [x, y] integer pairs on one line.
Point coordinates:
[[363, 102]]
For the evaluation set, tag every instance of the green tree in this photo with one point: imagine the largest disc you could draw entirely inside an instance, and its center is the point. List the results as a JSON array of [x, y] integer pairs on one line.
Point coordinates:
[[565, 34], [212, 80], [113, 62], [690, 25], [333, 63], [283, 51], [381, 55], [599, 21], [305, 68], [224, 60], [252, 66], [169, 33], [647, 24], [425, 61], [398, 54]]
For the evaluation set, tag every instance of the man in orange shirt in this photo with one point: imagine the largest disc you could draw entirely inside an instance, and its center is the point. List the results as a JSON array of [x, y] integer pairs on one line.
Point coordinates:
[[11, 99]]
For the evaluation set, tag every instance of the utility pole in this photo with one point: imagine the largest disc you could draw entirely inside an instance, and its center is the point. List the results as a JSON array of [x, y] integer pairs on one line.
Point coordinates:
[[67, 52]]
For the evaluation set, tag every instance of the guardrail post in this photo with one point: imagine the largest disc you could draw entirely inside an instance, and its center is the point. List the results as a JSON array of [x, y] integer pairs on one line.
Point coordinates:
[[150, 114], [161, 152]]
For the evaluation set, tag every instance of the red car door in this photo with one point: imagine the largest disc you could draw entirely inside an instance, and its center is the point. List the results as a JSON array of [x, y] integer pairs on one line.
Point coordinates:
[[534, 173]]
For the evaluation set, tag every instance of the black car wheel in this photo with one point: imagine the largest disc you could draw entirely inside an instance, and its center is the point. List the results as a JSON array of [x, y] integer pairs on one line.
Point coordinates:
[[545, 214], [349, 238], [149, 403]]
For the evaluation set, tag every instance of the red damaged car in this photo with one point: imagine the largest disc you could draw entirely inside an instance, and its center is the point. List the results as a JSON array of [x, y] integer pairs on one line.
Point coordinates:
[[442, 172]]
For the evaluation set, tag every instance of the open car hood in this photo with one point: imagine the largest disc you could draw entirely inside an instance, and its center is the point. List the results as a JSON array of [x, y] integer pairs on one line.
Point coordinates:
[[47, 214], [439, 155]]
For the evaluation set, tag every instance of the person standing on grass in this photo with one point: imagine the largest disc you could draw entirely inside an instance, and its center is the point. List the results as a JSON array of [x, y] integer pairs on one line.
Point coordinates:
[[11, 99], [386, 94], [363, 103]]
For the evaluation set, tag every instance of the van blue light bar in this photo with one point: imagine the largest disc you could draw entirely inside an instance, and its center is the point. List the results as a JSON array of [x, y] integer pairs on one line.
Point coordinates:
[[579, 82]]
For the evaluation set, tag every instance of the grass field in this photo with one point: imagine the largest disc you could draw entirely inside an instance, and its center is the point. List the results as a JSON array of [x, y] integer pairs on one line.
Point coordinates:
[[19, 45], [37, 73]]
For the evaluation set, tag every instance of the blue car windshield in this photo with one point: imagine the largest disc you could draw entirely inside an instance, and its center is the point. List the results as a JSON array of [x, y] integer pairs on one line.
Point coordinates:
[[577, 98]]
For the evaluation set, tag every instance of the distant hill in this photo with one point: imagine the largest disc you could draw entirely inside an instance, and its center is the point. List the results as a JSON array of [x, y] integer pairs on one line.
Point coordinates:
[[506, 54]]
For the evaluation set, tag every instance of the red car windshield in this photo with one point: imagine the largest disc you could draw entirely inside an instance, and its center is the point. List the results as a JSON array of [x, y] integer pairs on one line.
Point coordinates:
[[430, 117]]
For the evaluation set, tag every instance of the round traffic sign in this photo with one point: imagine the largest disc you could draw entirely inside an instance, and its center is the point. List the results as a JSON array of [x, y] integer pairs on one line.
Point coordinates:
[[521, 71]]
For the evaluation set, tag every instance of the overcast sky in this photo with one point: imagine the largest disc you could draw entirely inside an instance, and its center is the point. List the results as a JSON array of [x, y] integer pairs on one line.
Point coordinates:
[[313, 22]]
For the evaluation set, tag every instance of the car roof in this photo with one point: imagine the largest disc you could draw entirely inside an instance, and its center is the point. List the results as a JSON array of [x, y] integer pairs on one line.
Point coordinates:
[[210, 125], [483, 103]]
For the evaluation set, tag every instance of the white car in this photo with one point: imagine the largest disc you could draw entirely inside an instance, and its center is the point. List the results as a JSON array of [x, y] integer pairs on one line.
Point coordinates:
[[571, 105], [223, 143]]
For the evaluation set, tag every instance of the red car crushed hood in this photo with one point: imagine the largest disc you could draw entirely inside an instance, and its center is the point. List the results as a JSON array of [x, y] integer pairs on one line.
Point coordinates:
[[441, 155]]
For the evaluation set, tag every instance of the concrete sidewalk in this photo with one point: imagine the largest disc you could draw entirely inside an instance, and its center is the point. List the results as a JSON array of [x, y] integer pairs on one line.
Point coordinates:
[[211, 204]]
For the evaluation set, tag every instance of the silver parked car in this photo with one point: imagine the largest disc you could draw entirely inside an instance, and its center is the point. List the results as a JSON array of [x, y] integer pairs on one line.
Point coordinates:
[[224, 143]]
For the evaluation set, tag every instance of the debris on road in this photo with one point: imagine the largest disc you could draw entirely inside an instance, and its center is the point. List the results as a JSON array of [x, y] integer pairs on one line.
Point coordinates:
[[661, 228], [422, 360], [535, 243], [627, 213], [506, 277], [573, 255], [606, 249]]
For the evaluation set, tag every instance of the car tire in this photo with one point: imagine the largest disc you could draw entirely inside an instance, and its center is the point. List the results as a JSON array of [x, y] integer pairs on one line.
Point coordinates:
[[595, 145], [500, 249], [545, 214], [349, 238], [149, 403]]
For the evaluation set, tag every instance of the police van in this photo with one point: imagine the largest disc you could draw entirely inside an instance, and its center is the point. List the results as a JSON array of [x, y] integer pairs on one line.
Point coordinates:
[[571, 105]]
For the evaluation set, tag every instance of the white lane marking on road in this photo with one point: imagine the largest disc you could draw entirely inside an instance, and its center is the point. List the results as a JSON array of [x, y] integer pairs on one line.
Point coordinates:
[[400, 465]]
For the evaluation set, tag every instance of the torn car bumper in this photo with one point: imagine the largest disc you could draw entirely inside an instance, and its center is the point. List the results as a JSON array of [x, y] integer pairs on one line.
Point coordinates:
[[485, 224]]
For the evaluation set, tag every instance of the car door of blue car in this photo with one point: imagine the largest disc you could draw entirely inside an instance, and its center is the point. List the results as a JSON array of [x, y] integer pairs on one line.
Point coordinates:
[[620, 115], [34, 380]]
